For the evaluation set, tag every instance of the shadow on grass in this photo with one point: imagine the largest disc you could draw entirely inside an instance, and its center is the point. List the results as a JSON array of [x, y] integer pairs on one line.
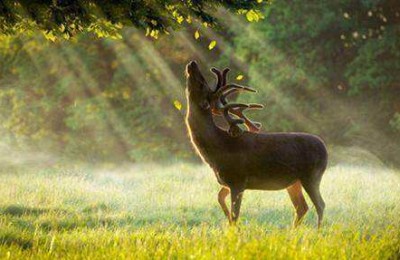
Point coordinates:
[[10, 239], [19, 210], [126, 220], [102, 216], [187, 217]]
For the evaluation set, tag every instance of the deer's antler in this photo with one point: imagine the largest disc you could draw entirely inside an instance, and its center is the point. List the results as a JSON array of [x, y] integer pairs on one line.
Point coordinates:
[[220, 106]]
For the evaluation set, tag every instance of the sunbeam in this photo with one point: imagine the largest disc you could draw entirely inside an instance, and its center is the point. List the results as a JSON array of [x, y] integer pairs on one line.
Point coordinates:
[[127, 129]]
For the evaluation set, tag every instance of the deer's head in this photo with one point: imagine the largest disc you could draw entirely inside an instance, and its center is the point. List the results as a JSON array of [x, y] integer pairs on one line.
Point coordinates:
[[197, 88], [215, 101]]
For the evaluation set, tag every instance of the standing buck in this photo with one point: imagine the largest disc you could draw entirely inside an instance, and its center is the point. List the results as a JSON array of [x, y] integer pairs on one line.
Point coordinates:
[[246, 159]]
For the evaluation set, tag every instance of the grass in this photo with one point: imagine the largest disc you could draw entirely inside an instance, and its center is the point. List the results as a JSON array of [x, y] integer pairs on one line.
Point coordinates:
[[154, 211]]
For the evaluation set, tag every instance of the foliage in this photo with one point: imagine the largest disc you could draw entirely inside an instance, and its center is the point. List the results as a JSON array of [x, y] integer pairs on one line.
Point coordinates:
[[158, 212], [106, 18], [64, 98], [333, 71]]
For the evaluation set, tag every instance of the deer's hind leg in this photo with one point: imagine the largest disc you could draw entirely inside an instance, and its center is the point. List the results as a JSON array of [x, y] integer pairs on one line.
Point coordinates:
[[299, 202], [222, 194], [312, 189]]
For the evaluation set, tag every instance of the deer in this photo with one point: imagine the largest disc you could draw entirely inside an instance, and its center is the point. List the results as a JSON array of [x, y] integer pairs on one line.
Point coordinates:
[[250, 159]]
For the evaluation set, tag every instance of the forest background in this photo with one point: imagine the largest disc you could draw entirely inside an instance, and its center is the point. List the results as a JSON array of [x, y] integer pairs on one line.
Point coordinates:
[[115, 94]]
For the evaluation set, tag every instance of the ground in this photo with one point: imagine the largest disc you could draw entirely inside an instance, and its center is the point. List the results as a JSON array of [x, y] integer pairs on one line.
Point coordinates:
[[171, 211]]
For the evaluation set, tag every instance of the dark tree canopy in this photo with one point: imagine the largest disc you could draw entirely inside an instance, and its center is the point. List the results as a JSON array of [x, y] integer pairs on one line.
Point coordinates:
[[72, 16]]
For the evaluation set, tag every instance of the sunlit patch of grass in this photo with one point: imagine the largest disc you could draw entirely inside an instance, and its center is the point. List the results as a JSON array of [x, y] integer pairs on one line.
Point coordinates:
[[154, 211]]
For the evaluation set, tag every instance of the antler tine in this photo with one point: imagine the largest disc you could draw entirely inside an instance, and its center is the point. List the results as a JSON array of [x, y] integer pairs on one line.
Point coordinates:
[[231, 120], [230, 92], [234, 130], [255, 106], [225, 75], [236, 105], [233, 113], [219, 76], [227, 87], [251, 125], [226, 94], [237, 110]]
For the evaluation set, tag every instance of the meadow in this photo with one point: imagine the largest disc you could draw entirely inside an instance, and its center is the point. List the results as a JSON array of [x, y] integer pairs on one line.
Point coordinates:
[[151, 211]]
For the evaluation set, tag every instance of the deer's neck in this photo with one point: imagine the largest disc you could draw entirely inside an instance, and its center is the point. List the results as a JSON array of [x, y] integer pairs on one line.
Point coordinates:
[[204, 134]]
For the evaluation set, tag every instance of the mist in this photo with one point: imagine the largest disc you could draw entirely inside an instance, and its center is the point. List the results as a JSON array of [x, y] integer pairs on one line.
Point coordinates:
[[96, 161]]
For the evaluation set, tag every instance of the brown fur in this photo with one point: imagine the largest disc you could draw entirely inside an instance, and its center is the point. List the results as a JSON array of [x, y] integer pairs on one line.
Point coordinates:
[[260, 161]]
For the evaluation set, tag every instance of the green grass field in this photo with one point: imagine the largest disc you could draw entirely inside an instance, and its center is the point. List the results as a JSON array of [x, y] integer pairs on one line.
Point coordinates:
[[154, 211]]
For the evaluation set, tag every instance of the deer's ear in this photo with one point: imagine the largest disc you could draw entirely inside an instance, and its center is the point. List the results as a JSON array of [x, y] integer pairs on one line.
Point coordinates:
[[205, 105]]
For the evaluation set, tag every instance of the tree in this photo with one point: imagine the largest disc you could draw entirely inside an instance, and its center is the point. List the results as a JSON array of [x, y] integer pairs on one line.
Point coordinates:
[[330, 67], [106, 18], [99, 99]]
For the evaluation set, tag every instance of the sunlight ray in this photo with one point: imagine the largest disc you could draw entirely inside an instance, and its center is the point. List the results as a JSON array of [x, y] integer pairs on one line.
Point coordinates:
[[332, 106], [86, 79]]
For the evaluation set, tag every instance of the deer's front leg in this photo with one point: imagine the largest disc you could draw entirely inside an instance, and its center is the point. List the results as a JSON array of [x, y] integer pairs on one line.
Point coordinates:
[[236, 201], [222, 194]]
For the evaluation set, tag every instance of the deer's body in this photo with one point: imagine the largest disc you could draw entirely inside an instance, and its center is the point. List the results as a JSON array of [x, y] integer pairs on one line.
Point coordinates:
[[266, 161], [260, 161]]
